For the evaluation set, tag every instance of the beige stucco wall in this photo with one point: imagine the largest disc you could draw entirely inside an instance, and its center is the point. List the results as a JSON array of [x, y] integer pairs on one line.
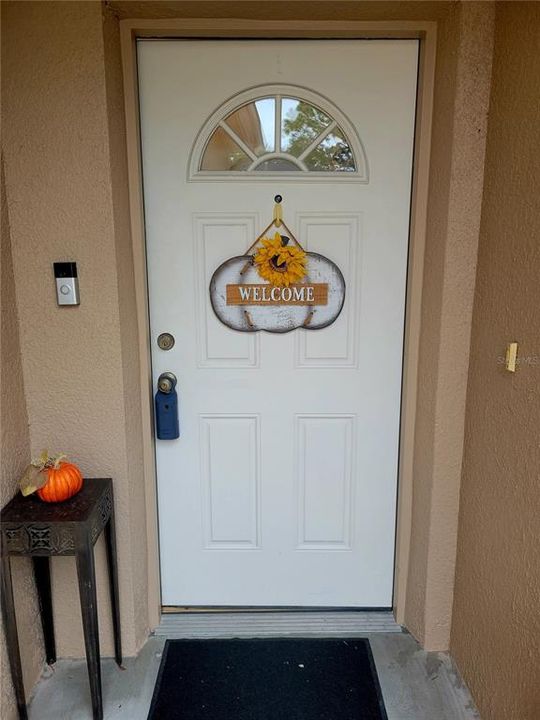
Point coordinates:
[[66, 190], [65, 182], [496, 626], [456, 184], [14, 456]]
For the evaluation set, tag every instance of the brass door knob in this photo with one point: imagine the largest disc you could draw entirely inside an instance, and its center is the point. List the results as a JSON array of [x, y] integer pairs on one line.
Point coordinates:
[[167, 382]]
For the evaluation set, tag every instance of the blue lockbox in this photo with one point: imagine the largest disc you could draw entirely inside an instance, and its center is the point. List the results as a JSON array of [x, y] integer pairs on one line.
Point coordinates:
[[166, 401]]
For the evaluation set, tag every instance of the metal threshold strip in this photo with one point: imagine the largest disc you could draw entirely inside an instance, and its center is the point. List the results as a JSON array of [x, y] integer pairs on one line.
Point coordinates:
[[244, 624]]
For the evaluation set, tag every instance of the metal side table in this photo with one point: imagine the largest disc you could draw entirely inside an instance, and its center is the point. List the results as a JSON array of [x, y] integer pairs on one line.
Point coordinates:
[[30, 527]]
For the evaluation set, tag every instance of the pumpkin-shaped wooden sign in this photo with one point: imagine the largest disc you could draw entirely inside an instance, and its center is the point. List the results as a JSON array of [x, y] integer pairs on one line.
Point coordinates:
[[277, 289]]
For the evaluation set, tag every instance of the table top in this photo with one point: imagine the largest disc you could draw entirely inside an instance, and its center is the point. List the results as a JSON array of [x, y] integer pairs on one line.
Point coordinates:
[[79, 508]]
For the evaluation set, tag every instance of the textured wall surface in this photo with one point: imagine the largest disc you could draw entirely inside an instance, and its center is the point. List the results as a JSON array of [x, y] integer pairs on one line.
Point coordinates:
[[129, 340], [63, 158], [456, 178], [496, 626], [14, 457], [283, 9]]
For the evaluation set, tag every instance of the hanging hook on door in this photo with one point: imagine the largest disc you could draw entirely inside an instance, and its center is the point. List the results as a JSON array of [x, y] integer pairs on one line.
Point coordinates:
[[278, 215]]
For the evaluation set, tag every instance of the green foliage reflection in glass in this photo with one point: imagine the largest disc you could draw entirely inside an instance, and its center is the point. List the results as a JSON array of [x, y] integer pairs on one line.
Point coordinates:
[[300, 125], [332, 154], [307, 133]]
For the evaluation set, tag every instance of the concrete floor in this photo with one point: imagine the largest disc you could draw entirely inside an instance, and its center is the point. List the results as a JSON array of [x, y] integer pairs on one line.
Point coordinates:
[[416, 685]]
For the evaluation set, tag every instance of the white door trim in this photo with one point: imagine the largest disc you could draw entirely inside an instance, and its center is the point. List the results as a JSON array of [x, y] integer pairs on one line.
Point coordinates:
[[130, 30]]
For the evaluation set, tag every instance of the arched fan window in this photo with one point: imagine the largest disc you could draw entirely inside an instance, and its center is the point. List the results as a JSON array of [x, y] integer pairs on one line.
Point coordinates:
[[278, 130]]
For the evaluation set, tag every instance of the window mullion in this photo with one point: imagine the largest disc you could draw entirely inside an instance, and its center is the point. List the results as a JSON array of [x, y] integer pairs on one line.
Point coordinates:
[[277, 129], [238, 140], [320, 137]]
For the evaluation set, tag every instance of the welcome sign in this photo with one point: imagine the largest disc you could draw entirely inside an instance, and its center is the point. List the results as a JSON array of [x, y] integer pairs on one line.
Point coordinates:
[[299, 290], [242, 302], [265, 294]]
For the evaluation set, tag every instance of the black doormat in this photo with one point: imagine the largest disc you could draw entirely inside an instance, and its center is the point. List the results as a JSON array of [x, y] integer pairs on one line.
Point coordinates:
[[277, 679]]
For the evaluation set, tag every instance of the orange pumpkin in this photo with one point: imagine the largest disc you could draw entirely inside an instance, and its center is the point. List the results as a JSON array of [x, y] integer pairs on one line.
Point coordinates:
[[62, 483]]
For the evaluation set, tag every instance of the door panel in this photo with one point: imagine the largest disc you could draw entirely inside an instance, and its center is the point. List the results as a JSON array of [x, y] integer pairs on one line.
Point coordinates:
[[281, 489]]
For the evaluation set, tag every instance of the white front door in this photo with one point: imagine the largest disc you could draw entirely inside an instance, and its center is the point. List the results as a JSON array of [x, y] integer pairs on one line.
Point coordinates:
[[281, 490]]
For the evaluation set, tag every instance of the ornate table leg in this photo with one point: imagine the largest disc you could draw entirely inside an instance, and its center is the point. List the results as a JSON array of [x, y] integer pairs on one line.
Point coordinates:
[[42, 574], [112, 562], [12, 638], [87, 591]]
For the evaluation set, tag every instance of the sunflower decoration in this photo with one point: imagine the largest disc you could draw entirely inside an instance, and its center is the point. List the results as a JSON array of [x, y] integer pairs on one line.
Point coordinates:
[[279, 263]]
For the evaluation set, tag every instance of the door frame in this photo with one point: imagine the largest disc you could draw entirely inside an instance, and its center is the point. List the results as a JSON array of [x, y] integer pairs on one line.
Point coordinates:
[[426, 33]]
